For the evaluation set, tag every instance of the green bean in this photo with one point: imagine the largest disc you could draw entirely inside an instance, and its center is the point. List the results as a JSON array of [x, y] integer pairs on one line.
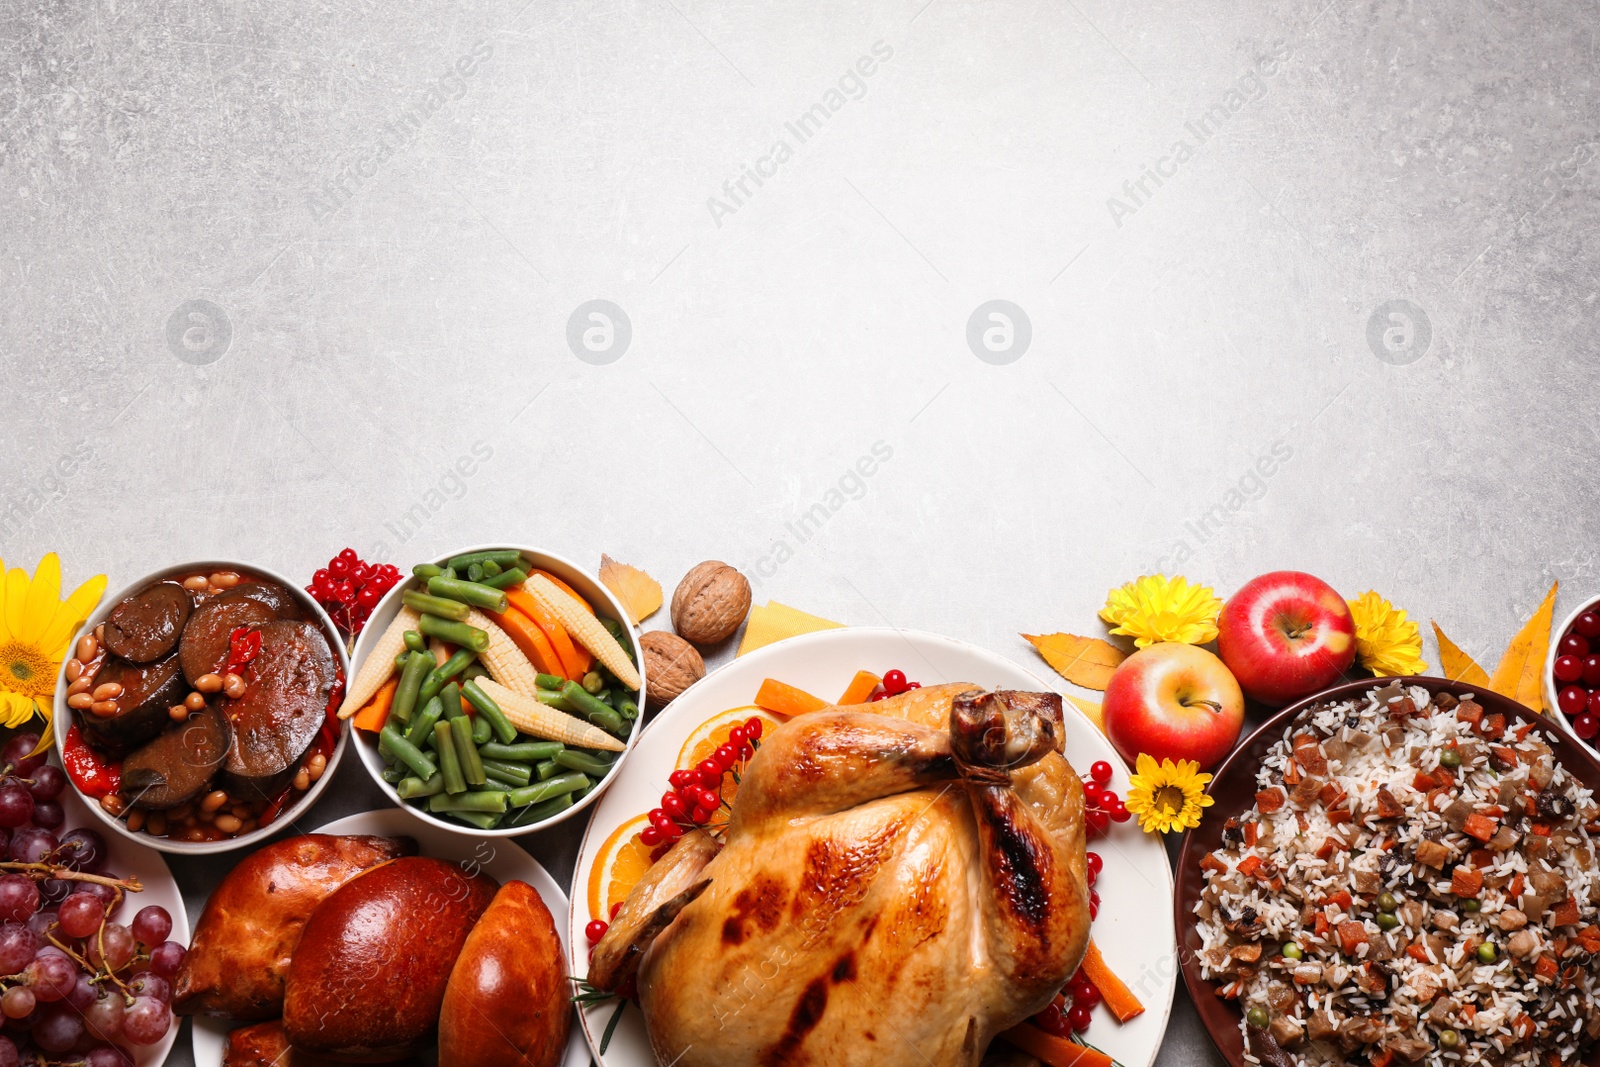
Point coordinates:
[[626, 707], [405, 693], [549, 681], [481, 819], [449, 761], [427, 570], [522, 752], [596, 711], [400, 660], [518, 773], [457, 633], [429, 604], [491, 801], [421, 727], [504, 557], [394, 775], [491, 568], [573, 760], [616, 629], [445, 671], [553, 698], [384, 750], [448, 572], [474, 593], [592, 683], [474, 572], [452, 708], [540, 812], [414, 641], [477, 670], [416, 788], [554, 787], [490, 712], [407, 753], [579, 794], [466, 751], [507, 579], [481, 730], [545, 769]]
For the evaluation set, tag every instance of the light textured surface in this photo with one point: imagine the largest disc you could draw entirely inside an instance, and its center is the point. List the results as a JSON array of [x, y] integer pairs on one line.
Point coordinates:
[[397, 251]]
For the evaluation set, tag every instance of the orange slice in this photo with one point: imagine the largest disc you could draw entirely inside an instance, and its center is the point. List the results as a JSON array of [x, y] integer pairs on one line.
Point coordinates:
[[619, 865], [714, 732]]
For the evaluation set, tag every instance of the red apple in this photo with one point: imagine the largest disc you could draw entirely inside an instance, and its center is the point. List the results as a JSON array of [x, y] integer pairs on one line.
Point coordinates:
[[1286, 635], [1173, 701]]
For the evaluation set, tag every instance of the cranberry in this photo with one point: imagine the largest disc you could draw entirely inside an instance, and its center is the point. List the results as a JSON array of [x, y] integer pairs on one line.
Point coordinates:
[[679, 779], [1078, 983], [1100, 771], [1091, 876], [1097, 820], [673, 805], [752, 729], [614, 909], [878, 694], [1052, 1022], [1586, 726], [894, 682], [1086, 997], [1572, 700], [1591, 671], [727, 756], [1588, 623], [1118, 811], [339, 567], [1079, 1018], [1574, 645], [1094, 862], [650, 837], [736, 736], [913, 685], [1568, 668], [595, 931], [1593, 709], [1092, 794]]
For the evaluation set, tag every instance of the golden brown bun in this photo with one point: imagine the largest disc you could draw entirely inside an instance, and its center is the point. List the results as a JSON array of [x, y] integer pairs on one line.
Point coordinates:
[[507, 1004], [369, 975], [240, 952]]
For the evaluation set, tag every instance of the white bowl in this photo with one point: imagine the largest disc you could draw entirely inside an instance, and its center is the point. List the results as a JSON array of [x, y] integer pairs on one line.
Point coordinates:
[[599, 598], [1551, 690], [63, 714]]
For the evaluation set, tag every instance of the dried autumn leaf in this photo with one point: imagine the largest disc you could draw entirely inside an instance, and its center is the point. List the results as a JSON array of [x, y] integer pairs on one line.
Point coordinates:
[[639, 593], [1085, 661], [1519, 674], [1456, 665], [1091, 711]]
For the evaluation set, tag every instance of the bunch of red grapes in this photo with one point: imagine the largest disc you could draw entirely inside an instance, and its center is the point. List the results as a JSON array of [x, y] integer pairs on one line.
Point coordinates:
[[76, 985], [349, 587], [1577, 671]]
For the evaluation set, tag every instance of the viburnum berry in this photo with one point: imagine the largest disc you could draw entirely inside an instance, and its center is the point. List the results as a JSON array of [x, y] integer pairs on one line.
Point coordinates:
[[894, 682], [752, 729], [1100, 771], [679, 779], [595, 931]]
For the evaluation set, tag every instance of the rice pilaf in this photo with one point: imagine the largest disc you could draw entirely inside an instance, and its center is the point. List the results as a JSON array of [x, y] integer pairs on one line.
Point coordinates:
[[1414, 883]]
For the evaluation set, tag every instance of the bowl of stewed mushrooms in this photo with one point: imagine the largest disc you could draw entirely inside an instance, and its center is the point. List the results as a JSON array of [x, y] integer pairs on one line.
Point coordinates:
[[196, 713]]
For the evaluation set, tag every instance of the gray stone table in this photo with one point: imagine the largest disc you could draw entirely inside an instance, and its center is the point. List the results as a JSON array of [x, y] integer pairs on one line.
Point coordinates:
[[1092, 289]]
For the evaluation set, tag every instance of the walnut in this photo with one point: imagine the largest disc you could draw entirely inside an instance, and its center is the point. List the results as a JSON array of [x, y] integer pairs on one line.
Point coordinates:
[[710, 603], [671, 665]]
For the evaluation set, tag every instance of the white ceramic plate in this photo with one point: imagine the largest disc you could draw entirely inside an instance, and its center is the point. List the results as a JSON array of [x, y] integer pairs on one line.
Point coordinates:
[[500, 859], [131, 860], [1134, 929]]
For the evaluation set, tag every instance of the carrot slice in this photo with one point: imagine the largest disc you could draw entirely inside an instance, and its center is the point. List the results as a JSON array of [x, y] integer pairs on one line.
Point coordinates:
[[574, 663], [782, 699], [861, 687], [1118, 997], [526, 635], [375, 712], [1051, 1050]]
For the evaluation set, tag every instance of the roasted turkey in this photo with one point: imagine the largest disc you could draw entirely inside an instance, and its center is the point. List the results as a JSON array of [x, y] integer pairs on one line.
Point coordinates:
[[898, 883]]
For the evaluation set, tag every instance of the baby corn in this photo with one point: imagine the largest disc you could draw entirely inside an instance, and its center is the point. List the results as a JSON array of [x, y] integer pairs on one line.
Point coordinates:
[[585, 628], [379, 664], [539, 720]]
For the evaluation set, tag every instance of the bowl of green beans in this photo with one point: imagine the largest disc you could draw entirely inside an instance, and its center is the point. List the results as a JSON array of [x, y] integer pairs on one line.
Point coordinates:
[[496, 716]]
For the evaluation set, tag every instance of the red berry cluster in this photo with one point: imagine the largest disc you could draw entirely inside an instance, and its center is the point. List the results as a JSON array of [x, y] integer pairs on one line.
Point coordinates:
[[1103, 807], [894, 683], [348, 588], [1577, 671], [696, 795]]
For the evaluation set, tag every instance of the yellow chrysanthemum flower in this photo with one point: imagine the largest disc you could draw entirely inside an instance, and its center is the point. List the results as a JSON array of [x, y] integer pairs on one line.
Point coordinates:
[[1167, 796], [1387, 643], [1156, 608], [36, 630]]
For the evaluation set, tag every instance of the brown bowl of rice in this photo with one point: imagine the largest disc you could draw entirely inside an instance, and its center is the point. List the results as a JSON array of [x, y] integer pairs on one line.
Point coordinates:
[[1397, 871]]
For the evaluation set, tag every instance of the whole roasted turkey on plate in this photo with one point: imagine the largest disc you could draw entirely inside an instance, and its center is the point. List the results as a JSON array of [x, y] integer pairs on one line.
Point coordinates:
[[899, 882]]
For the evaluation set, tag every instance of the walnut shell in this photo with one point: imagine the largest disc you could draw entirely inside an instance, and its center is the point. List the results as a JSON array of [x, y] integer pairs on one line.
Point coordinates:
[[671, 665], [710, 603]]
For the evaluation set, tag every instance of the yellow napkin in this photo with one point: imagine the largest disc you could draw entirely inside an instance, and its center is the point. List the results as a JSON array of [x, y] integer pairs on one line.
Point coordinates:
[[773, 621]]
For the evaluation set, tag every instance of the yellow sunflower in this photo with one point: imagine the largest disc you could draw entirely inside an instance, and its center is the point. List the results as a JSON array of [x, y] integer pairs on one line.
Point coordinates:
[[1167, 796], [1387, 643], [36, 630], [1156, 608]]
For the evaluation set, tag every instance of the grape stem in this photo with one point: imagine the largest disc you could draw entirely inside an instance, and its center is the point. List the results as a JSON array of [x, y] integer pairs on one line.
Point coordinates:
[[97, 972], [67, 874]]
